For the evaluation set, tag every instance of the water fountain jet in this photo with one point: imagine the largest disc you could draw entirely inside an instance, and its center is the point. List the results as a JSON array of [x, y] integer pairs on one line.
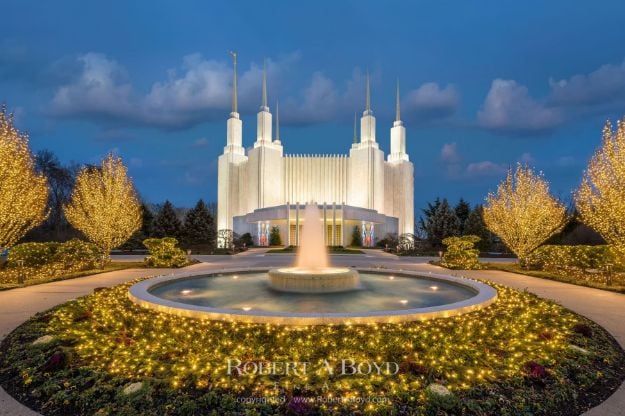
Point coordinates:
[[312, 272]]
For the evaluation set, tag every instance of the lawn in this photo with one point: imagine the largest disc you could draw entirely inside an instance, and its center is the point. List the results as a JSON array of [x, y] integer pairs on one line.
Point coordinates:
[[516, 268], [102, 354], [110, 267]]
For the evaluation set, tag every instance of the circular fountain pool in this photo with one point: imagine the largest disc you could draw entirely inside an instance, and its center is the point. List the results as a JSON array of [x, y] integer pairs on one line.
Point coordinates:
[[247, 296]]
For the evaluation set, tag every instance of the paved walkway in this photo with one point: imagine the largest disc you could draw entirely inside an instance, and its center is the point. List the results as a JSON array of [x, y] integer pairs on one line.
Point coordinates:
[[605, 308]]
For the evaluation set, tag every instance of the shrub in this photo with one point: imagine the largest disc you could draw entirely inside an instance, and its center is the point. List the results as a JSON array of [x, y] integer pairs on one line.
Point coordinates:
[[554, 257], [49, 260], [164, 253], [592, 263], [31, 254], [356, 237], [460, 253], [78, 253], [274, 236]]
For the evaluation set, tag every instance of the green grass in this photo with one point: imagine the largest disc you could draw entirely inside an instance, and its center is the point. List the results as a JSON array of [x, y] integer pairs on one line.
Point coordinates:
[[513, 357], [333, 250], [110, 267], [515, 268]]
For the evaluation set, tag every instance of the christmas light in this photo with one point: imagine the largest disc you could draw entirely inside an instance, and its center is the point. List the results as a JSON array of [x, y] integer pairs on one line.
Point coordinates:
[[600, 199], [23, 192], [104, 205], [522, 212]]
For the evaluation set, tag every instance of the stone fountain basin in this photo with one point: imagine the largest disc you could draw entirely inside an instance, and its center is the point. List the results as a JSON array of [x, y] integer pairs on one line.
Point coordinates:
[[140, 293], [314, 280]]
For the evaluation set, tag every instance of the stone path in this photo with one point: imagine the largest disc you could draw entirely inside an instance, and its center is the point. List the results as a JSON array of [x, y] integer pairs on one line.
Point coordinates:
[[605, 308]]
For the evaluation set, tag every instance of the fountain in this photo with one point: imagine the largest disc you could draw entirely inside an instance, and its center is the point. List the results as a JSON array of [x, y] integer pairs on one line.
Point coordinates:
[[312, 292], [312, 272]]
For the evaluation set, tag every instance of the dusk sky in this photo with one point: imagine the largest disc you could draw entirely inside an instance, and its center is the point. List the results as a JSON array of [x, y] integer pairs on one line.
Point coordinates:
[[484, 84]]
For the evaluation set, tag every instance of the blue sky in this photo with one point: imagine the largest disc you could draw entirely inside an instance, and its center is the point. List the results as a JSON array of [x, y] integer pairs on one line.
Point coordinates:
[[484, 84]]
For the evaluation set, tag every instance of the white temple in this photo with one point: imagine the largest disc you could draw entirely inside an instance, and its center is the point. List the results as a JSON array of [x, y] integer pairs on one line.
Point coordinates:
[[265, 188]]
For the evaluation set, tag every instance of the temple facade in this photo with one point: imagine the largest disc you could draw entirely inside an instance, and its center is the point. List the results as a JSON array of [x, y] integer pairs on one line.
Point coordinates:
[[263, 187]]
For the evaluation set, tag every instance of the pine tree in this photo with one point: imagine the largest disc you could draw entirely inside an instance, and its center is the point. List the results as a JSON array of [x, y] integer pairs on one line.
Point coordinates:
[[356, 237], [441, 221], [475, 225], [462, 209], [274, 236], [166, 223], [146, 231], [199, 226]]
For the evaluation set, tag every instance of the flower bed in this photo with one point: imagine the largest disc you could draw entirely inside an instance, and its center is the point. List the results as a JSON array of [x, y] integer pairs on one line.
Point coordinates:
[[105, 355]]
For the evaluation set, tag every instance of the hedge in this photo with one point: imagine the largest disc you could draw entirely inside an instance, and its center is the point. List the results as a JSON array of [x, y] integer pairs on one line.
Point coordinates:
[[164, 253]]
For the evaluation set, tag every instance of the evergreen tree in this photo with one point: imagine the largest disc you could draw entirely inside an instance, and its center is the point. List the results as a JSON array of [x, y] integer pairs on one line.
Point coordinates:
[[146, 231], [475, 226], [166, 223], [463, 209], [199, 226], [440, 222], [429, 213], [274, 237], [356, 237]]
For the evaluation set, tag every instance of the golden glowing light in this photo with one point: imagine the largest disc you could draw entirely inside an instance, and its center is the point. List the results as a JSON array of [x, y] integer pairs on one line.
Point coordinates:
[[23, 192], [104, 204], [522, 212], [600, 200]]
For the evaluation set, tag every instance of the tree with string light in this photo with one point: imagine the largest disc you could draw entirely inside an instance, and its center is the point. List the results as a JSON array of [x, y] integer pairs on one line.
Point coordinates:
[[23, 191], [104, 205], [523, 213], [600, 199]]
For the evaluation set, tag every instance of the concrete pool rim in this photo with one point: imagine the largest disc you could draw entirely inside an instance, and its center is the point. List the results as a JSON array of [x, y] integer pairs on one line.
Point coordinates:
[[140, 294]]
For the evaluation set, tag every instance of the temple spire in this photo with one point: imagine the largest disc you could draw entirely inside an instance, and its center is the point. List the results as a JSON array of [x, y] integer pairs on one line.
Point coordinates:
[[355, 132], [397, 110], [277, 140], [368, 96], [263, 105], [234, 83]]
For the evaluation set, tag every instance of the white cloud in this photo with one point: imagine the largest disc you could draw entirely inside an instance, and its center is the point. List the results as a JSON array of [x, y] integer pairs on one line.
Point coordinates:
[[449, 153], [323, 100], [101, 89], [527, 158], [430, 101], [201, 142], [199, 90], [509, 108], [485, 168], [602, 87]]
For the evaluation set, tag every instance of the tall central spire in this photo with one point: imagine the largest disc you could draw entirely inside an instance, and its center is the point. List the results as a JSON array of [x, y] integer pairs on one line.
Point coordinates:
[[263, 104], [397, 111], [234, 83]]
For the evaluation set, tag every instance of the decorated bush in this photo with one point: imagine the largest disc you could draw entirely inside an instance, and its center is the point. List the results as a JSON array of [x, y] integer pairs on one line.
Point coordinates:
[[599, 264], [31, 254], [77, 253], [164, 253], [39, 261], [460, 253]]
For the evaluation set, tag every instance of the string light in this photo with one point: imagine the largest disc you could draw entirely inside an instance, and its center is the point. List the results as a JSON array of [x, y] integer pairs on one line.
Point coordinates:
[[104, 205], [522, 212], [23, 192], [600, 199], [485, 346]]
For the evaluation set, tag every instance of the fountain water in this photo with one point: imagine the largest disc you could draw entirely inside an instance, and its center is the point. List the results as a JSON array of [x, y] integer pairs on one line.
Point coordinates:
[[312, 273]]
